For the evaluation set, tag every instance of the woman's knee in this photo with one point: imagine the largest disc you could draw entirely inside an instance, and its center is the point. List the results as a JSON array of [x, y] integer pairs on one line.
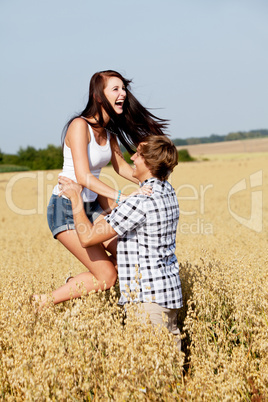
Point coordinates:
[[107, 279], [110, 279]]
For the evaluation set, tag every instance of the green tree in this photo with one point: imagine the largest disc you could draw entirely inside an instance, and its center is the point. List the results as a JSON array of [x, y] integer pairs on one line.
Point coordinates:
[[184, 156], [127, 157], [27, 156], [42, 159], [49, 158], [9, 159]]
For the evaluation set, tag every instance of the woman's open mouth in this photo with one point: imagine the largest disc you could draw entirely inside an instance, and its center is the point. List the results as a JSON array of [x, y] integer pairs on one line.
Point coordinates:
[[119, 103]]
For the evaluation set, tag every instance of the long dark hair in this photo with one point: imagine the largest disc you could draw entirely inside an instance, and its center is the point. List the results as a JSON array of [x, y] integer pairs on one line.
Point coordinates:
[[132, 126]]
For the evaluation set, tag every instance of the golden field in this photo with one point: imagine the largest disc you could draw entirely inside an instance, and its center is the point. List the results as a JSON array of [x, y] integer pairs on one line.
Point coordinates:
[[81, 351], [253, 147]]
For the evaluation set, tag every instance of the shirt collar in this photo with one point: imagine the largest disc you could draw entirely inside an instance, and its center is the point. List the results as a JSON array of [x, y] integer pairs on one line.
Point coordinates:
[[148, 181]]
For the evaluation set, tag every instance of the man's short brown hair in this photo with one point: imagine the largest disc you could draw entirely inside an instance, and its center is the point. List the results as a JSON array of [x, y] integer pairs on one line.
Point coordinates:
[[160, 155]]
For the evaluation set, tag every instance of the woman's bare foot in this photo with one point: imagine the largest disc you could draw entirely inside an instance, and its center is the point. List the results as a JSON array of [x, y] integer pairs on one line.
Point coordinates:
[[39, 301]]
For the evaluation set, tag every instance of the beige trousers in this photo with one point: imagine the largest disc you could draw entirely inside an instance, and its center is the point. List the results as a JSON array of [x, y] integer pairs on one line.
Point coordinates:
[[155, 312]]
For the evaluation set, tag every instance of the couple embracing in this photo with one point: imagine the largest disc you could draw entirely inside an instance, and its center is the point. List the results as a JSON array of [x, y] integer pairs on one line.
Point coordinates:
[[139, 230]]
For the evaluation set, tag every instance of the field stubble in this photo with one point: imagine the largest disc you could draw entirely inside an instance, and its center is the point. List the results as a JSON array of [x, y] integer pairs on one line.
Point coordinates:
[[80, 350]]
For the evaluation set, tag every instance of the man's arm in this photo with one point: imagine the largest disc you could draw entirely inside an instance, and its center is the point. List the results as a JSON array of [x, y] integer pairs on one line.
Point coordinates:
[[89, 234]]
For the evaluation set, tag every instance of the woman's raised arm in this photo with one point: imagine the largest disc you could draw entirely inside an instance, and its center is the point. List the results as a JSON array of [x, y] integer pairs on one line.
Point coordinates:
[[119, 164]]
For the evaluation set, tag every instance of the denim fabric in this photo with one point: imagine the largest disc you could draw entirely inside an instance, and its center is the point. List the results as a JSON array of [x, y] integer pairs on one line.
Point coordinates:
[[60, 214]]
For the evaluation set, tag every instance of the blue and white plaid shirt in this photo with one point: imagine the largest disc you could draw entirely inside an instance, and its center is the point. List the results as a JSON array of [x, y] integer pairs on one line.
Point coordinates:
[[146, 227]]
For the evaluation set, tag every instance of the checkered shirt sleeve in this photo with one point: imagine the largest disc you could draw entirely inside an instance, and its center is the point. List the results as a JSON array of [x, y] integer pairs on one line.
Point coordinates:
[[128, 215]]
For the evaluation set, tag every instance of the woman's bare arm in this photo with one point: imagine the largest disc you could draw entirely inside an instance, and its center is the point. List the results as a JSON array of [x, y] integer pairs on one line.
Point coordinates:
[[119, 164]]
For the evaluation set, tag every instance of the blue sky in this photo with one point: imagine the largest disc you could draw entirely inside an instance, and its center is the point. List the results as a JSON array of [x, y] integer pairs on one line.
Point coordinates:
[[201, 64]]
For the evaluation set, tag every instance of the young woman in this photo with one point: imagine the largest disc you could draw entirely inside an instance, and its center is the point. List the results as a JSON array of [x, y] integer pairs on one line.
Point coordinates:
[[89, 143]]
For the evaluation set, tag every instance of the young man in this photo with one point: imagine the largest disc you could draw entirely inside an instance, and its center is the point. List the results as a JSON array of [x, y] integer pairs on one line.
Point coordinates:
[[146, 228]]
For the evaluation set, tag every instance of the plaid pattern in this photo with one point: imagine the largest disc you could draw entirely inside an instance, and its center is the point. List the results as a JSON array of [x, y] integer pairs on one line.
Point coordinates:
[[146, 259]]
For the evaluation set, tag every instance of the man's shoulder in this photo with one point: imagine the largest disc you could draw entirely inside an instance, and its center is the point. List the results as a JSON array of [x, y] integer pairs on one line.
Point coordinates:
[[163, 188], [136, 199]]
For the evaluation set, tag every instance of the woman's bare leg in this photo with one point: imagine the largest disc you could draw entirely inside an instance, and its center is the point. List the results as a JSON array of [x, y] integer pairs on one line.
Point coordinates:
[[102, 273], [94, 258]]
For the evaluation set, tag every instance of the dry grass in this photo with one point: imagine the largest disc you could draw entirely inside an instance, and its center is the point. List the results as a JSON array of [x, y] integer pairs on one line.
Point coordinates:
[[81, 350], [229, 149]]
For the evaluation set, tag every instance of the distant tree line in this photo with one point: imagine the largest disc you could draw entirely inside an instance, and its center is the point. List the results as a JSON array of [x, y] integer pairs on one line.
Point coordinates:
[[33, 159], [239, 135], [183, 155], [51, 157]]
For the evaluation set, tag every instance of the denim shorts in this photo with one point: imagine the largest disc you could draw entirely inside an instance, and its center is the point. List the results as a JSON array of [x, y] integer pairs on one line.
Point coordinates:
[[60, 214]]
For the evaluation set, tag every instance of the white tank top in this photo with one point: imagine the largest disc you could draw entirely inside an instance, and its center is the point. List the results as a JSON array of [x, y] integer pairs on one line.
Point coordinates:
[[98, 156]]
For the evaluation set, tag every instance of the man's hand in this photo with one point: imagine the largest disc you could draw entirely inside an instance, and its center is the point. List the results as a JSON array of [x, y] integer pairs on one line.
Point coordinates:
[[145, 190], [69, 188]]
